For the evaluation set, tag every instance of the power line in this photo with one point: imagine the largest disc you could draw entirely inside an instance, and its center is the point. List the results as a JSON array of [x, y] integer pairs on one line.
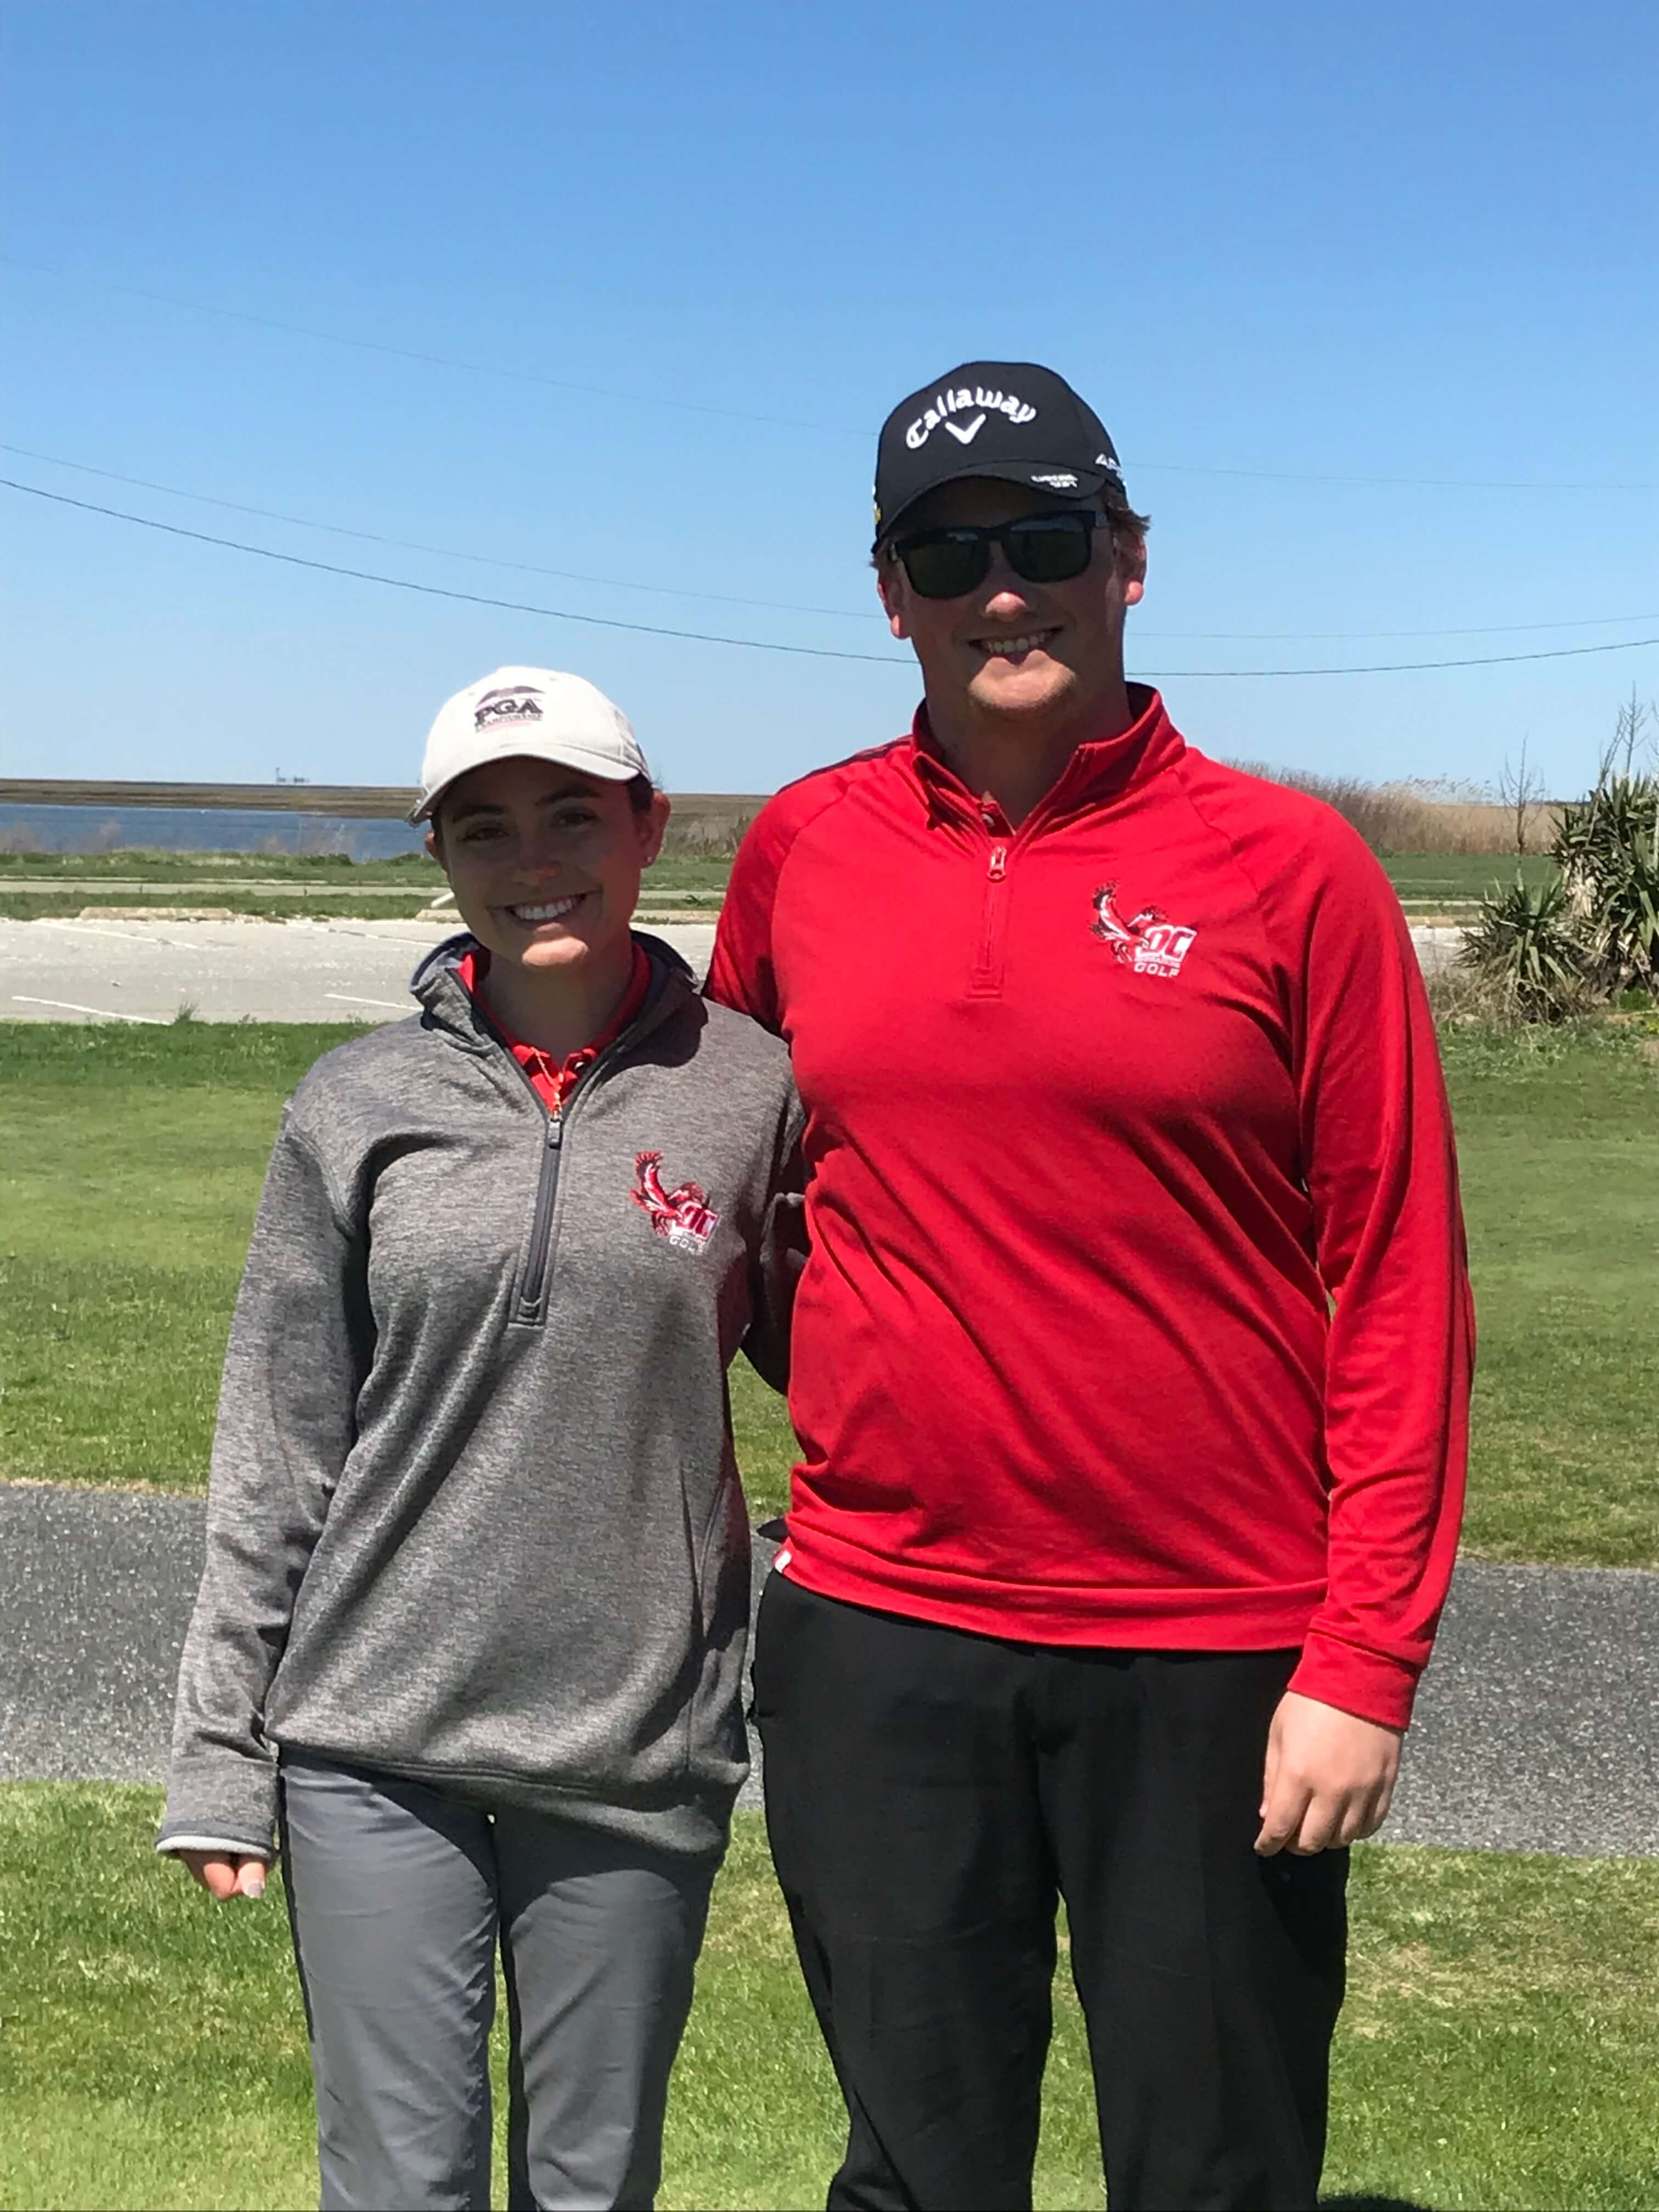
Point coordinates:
[[1357, 637], [430, 360], [786, 606], [445, 552], [759, 644], [443, 590], [439, 359], [780, 422]]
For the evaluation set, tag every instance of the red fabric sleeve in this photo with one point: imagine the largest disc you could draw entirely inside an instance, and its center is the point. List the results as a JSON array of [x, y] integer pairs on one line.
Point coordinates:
[[1382, 1175], [740, 973]]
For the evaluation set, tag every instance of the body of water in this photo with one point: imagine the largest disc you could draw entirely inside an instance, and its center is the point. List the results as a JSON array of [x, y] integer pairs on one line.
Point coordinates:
[[199, 829]]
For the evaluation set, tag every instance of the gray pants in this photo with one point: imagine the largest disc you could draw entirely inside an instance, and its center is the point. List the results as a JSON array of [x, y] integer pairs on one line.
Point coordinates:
[[398, 1896]]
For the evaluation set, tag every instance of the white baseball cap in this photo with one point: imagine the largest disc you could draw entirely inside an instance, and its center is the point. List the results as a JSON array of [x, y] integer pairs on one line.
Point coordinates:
[[537, 713]]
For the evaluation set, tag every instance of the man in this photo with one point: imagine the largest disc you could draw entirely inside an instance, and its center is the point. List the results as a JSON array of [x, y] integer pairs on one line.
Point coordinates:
[[1131, 1363]]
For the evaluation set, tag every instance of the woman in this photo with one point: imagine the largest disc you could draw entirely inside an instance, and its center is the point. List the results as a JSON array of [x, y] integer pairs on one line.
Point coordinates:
[[472, 1624]]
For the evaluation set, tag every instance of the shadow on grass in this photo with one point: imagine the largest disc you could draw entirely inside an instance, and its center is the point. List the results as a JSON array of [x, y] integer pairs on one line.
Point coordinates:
[[1360, 2201]]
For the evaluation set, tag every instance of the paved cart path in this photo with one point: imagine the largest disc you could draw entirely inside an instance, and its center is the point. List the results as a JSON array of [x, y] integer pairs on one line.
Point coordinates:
[[230, 971], [309, 970], [1538, 1726]]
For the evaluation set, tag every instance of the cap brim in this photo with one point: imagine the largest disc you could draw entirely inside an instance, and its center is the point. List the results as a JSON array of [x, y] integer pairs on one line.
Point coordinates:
[[1086, 483], [555, 755]]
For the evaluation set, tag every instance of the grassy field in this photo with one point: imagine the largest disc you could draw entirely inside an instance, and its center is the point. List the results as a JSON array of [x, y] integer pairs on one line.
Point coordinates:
[[320, 871], [144, 863], [1498, 2047], [209, 900], [279, 887], [1559, 1139], [1425, 881], [131, 1164], [1455, 880], [316, 904], [132, 1161]]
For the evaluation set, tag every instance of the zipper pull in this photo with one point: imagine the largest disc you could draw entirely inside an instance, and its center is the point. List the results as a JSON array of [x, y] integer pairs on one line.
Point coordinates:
[[555, 1129], [998, 867]]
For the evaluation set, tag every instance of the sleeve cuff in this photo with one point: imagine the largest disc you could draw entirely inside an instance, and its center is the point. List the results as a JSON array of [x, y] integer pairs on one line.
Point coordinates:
[[1371, 1685], [221, 1798], [232, 1846]]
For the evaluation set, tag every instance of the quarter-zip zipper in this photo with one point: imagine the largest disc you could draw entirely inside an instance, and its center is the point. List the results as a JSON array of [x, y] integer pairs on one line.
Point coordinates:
[[987, 979], [528, 1306], [541, 1224]]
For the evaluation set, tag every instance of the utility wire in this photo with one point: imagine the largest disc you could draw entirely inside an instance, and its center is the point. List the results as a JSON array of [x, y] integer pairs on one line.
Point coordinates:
[[431, 360], [445, 552], [739, 414], [760, 644], [443, 590], [789, 606]]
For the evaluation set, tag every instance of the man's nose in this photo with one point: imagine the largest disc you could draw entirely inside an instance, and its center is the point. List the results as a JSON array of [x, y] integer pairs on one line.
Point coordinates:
[[1004, 591]]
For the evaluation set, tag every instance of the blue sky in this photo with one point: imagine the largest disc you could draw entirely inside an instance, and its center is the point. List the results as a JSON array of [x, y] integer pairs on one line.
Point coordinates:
[[1366, 296]]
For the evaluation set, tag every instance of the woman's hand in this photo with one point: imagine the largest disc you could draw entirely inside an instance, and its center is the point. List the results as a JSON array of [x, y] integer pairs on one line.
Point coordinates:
[[224, 1877]]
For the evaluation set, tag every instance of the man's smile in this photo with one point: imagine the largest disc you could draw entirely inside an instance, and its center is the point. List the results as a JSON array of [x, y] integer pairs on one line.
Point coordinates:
[[1016, 647]]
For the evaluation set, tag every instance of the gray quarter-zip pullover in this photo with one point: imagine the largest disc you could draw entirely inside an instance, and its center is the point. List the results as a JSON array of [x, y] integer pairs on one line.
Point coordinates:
[[474, 1516]]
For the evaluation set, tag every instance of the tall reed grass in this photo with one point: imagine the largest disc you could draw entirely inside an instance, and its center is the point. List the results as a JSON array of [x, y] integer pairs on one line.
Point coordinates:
[[1418, 816]]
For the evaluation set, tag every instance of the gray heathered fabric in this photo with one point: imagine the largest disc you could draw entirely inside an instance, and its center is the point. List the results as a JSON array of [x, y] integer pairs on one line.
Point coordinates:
[[498, 1545]]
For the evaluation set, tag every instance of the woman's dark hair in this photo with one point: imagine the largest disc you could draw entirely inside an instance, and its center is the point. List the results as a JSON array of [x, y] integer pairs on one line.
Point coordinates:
[[642, 790]]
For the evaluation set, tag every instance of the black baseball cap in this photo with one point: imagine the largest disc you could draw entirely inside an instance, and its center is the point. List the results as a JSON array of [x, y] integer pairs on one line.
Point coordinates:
[[991, 418]]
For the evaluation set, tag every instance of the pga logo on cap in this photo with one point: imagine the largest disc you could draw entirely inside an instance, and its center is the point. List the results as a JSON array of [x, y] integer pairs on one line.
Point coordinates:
[[522, 704]]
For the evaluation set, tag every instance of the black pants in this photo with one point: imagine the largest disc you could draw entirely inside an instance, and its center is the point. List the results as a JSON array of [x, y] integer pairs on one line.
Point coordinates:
[[932, 1795]]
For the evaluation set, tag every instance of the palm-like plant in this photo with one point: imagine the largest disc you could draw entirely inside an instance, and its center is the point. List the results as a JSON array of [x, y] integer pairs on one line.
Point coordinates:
[[1608, 853], [1524, 941]]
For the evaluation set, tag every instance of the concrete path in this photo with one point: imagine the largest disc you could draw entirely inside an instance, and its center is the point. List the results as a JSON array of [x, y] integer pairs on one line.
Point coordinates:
[[1538, 1726], [275, 971], [231, 971]]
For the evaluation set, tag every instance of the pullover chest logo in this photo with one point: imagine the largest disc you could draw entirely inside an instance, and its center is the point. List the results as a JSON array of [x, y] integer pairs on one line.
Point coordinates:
[[683, 1216], [1148, 942]]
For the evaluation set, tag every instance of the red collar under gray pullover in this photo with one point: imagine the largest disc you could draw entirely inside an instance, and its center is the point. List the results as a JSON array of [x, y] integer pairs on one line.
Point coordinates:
[[1103, 1116], [474, 1516]]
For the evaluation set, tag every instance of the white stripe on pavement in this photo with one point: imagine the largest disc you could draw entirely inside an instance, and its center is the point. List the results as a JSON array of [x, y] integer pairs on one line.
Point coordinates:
[[104, 1013]]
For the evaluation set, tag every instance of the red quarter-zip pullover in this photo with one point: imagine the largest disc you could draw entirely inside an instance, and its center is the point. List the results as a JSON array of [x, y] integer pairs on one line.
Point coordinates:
[[1136, 1312]]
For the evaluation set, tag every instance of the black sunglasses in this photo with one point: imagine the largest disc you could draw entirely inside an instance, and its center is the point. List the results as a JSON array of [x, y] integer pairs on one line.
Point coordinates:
[[1043, 549]]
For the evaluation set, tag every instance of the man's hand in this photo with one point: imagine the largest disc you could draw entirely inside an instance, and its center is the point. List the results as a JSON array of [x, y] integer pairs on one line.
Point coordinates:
[[223, 1878], [1329, 1777]]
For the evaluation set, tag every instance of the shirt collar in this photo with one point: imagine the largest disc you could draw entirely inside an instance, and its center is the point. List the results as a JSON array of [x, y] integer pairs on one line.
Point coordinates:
[[474, 965], [1100, 768]]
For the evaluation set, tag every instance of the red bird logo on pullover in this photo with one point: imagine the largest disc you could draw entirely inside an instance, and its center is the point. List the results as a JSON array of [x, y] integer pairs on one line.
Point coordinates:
[[1149, 942], [683, 1216]]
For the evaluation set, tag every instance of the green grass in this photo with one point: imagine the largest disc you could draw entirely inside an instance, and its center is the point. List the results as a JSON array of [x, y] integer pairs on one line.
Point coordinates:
[[1458, 878], [141, 863], [1453, 878], [1423, 879], [674, 874], [1559, 1139], [319, 905], [132, 1161], [1498, 2047]]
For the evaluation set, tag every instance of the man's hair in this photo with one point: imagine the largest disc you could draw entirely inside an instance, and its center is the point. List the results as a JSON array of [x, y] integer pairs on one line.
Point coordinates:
[[1128, 528]]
